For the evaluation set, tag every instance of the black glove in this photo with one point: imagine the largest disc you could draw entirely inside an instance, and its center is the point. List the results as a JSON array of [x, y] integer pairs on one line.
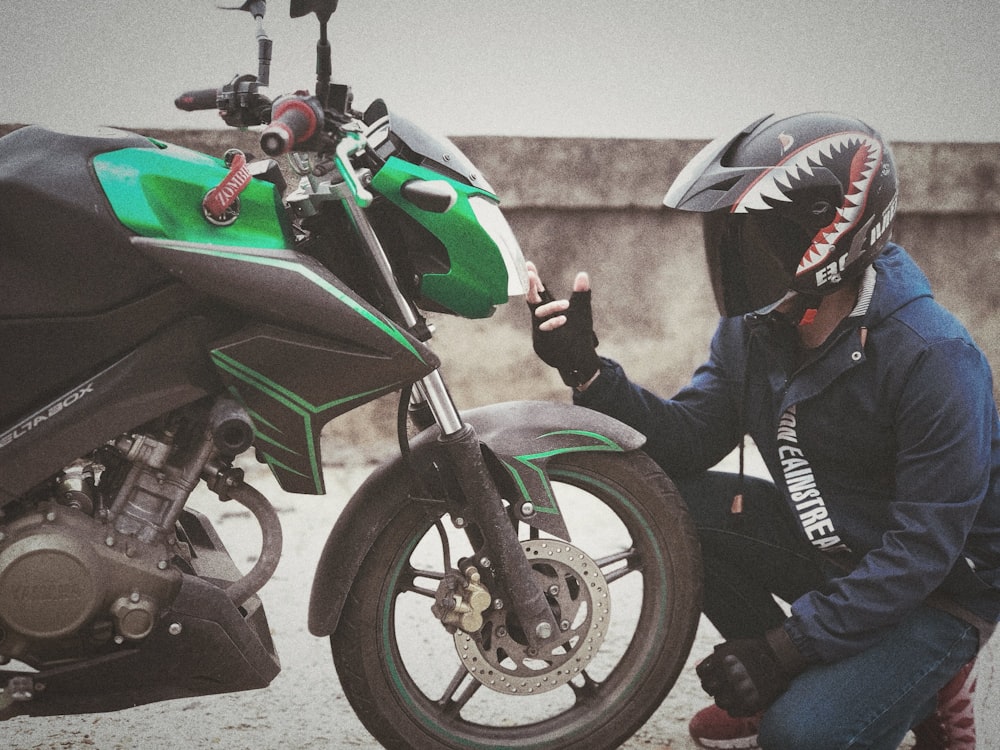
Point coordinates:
[[570, 347], [745, 676]]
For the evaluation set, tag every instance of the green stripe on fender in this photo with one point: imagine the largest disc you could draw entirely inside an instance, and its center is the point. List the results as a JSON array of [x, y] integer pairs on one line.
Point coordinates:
[[535, 462]]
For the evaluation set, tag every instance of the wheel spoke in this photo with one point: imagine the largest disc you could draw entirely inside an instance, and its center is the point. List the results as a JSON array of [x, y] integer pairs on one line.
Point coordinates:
[[633, 564], [587, 690], [449, 703], [409, 582]]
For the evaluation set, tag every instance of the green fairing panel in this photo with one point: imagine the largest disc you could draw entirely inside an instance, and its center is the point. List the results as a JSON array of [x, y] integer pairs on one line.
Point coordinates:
[[469, 245], [317, 352], [284, 287], [158, 193], [292, 384]]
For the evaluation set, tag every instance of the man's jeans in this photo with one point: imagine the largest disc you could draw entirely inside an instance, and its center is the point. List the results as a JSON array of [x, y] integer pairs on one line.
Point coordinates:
[[869, 700]]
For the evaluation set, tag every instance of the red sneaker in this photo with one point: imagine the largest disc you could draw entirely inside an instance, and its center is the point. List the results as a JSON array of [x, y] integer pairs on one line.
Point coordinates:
[[714, 728], [952, 726]]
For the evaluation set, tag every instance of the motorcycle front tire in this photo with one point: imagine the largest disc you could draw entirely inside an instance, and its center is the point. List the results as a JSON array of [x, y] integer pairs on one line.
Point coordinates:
[[401, 669]]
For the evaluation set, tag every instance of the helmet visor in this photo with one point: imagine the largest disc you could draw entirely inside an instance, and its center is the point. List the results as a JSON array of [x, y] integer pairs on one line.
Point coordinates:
[[746, 272]]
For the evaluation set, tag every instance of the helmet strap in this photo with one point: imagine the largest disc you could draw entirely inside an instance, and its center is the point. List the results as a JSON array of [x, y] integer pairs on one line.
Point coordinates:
[[798, 308], [803, 309]]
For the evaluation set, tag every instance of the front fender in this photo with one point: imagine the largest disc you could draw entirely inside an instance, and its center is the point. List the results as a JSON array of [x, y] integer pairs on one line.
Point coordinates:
[[521, 435]]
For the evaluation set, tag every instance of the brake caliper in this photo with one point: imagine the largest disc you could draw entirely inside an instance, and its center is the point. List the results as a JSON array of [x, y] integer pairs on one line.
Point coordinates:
[[461, 600]]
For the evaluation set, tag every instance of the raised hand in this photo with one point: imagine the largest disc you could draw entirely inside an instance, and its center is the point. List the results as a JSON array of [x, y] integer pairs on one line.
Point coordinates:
[[562, 330]]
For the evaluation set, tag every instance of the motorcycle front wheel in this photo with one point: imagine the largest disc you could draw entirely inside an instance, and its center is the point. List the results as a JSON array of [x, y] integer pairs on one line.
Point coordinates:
[[629, 625]]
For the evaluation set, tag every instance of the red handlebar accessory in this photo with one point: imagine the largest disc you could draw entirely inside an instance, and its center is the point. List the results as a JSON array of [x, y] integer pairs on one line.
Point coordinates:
[[294, 120], [220, 203]]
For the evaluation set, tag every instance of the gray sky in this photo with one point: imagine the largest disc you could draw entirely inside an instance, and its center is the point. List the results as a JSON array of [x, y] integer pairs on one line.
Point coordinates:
[[915, 69]]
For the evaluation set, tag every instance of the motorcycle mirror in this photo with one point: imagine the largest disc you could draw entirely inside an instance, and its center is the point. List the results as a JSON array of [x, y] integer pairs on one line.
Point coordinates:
[[324, 55], [255, 8], [322, 8]]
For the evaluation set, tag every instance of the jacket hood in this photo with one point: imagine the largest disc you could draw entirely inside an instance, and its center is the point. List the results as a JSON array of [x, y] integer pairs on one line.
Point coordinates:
[[899, 282]]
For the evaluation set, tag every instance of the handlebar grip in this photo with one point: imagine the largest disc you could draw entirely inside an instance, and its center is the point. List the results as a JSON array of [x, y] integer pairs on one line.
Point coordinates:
[[191, 101], [294, 120]]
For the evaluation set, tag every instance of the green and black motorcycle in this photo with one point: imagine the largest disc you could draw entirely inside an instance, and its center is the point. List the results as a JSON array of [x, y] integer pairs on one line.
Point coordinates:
[[164, 312]]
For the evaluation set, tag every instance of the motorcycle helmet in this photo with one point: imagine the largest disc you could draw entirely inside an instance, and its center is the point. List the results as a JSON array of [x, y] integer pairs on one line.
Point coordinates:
[[798, 205]]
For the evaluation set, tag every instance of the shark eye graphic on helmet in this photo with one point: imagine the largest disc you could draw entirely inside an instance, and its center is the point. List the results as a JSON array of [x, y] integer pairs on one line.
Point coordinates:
[[853, 157]]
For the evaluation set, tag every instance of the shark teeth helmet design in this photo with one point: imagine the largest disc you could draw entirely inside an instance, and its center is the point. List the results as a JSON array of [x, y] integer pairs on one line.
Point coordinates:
[[794, 205]]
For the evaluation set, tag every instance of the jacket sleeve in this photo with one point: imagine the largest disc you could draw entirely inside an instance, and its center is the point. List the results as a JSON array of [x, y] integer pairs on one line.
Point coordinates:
[[696, 428], [944, 424]]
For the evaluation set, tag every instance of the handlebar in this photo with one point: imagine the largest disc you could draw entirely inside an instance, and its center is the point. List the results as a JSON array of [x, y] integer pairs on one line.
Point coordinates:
[[191, 101], [240, 102], [294, 120]]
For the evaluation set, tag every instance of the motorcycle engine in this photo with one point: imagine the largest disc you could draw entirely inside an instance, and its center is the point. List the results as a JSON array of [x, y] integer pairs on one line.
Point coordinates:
[[70, 582]]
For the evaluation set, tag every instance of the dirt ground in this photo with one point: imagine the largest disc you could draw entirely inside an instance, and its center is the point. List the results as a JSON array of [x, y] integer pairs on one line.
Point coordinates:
[[304, 708]]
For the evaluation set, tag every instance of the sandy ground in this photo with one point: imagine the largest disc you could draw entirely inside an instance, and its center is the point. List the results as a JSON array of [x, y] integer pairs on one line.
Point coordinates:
[[304, 707]]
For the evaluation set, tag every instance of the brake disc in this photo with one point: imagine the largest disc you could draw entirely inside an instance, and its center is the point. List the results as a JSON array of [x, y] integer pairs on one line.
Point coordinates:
[[498, 654]]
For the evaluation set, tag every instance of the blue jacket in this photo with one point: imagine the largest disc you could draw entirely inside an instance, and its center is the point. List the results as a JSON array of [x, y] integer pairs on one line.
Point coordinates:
[[886, 447]]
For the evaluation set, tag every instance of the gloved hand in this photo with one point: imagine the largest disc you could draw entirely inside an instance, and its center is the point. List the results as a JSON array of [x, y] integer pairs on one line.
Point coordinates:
[[745, 676], [563, 336]]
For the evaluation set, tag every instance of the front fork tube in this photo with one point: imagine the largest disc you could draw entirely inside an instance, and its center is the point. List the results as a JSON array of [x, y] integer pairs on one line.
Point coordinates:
[[485, 506]]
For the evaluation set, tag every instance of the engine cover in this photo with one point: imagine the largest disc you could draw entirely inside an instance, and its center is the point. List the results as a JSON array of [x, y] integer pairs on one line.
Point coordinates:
[[64, 573], [49, 585]]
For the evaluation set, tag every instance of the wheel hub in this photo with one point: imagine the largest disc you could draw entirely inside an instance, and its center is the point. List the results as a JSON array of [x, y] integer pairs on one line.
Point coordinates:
[[498, 655]]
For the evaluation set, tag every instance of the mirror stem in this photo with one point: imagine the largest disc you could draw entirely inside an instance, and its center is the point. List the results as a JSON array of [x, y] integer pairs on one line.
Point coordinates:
[[324, 66], [263, 54]]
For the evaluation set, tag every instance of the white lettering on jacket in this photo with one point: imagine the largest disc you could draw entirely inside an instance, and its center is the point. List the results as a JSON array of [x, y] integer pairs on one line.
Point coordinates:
[[801, 483]]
